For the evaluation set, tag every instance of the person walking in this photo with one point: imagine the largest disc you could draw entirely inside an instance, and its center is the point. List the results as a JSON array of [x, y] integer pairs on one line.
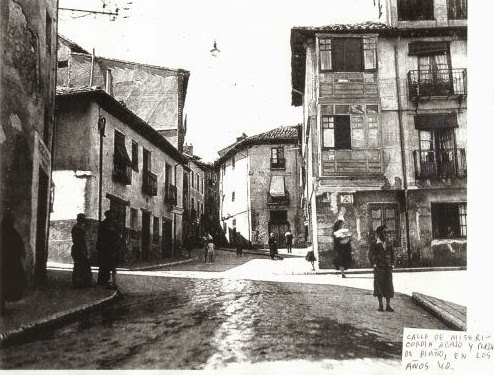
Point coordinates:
[[108, 245], [382, 259], [238, 244], [13, 277], [342, 246], [288, 241], [210, 247], [310, 257], [273, 246], [81, 274], [207, 239]]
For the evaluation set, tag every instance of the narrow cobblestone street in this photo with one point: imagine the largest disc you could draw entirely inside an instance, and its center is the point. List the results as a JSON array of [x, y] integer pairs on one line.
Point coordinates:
[[180, 323]]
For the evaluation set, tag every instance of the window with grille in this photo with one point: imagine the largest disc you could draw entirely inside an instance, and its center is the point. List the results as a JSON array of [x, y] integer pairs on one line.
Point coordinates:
[[385, 214], [449, 220]]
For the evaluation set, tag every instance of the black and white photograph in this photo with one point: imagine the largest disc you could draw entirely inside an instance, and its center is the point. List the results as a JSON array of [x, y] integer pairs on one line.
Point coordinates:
[[247, 186]]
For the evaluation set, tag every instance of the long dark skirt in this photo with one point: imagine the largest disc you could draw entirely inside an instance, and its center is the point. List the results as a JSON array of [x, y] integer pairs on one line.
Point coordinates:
[[383, 282], [81, 275]]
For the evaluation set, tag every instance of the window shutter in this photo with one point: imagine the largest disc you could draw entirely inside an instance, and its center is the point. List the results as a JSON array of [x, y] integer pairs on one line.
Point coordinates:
[[325, 54], [370, 53], [342, 133]]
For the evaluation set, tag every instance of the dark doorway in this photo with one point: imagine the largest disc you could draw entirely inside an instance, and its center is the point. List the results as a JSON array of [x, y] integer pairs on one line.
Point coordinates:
[[146, 236], [167, 238], [41, 248], [278, 224]]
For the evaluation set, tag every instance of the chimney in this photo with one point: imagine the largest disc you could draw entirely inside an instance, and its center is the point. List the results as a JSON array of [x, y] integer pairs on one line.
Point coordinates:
[[242, 137], [188, 149]]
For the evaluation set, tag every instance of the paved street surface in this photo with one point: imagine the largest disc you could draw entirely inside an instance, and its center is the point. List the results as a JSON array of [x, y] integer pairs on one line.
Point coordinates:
[[227, 322]]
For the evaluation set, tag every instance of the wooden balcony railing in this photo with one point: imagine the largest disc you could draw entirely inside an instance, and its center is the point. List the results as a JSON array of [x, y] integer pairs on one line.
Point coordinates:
[[279, 201], [278, 163], [149, 183], [444, 82], [170, 194], [447, 163], [122, 172]]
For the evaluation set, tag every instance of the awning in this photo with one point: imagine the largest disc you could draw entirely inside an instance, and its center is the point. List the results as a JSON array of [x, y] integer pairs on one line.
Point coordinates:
[[121, 153], [277, 187], [435, 121], [427, 48]]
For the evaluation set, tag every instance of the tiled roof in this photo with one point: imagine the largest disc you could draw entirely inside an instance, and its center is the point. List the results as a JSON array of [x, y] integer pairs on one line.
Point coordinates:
[[283, 133], [73, 46], [364, 26]]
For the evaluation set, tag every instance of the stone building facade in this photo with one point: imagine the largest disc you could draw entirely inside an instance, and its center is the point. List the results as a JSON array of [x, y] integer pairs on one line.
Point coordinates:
[[106, 157], [28, 76], [156, 94], [385, 131], [259, 188]]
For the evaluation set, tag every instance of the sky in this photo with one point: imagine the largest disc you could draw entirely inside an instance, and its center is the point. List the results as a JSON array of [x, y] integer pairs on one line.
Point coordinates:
[[247, 88]]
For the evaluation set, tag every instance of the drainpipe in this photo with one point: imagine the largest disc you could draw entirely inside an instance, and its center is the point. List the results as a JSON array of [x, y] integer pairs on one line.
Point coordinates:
[[92, 70], [249, 203], [101, 130], [403, 153]]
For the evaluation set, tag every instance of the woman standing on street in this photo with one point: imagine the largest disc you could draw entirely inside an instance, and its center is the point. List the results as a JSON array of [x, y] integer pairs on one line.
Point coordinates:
[[343, 247], [273, 246], [382, 258]]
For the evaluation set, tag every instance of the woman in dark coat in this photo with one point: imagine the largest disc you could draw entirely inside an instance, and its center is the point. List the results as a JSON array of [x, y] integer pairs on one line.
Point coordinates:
[[382, 258], [273, 246], [342, 246], [81, 275]]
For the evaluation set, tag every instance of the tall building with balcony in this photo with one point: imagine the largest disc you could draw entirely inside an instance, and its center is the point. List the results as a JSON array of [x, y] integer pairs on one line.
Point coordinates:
[[106, 157], [385, 130], [259, 187]]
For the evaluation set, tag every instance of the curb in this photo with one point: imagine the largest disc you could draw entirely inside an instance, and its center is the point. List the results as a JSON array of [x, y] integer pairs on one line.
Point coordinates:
[[433, 306], [368, 270], [154, 266], [31, 330]]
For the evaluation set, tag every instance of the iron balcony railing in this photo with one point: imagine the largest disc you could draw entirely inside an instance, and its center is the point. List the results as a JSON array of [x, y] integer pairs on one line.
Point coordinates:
[[149, 183], [122, 172], [170, 194], [443, 82], [278, 163], [447, 163], [279, 200]]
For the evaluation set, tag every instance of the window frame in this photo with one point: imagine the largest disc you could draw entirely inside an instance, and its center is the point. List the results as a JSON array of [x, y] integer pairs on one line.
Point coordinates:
[[461, 220], [407, 10], [135, 156], [332, 124]]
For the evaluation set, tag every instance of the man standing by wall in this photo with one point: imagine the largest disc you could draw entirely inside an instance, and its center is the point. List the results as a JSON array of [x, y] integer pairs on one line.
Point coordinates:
[[107, 245]]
